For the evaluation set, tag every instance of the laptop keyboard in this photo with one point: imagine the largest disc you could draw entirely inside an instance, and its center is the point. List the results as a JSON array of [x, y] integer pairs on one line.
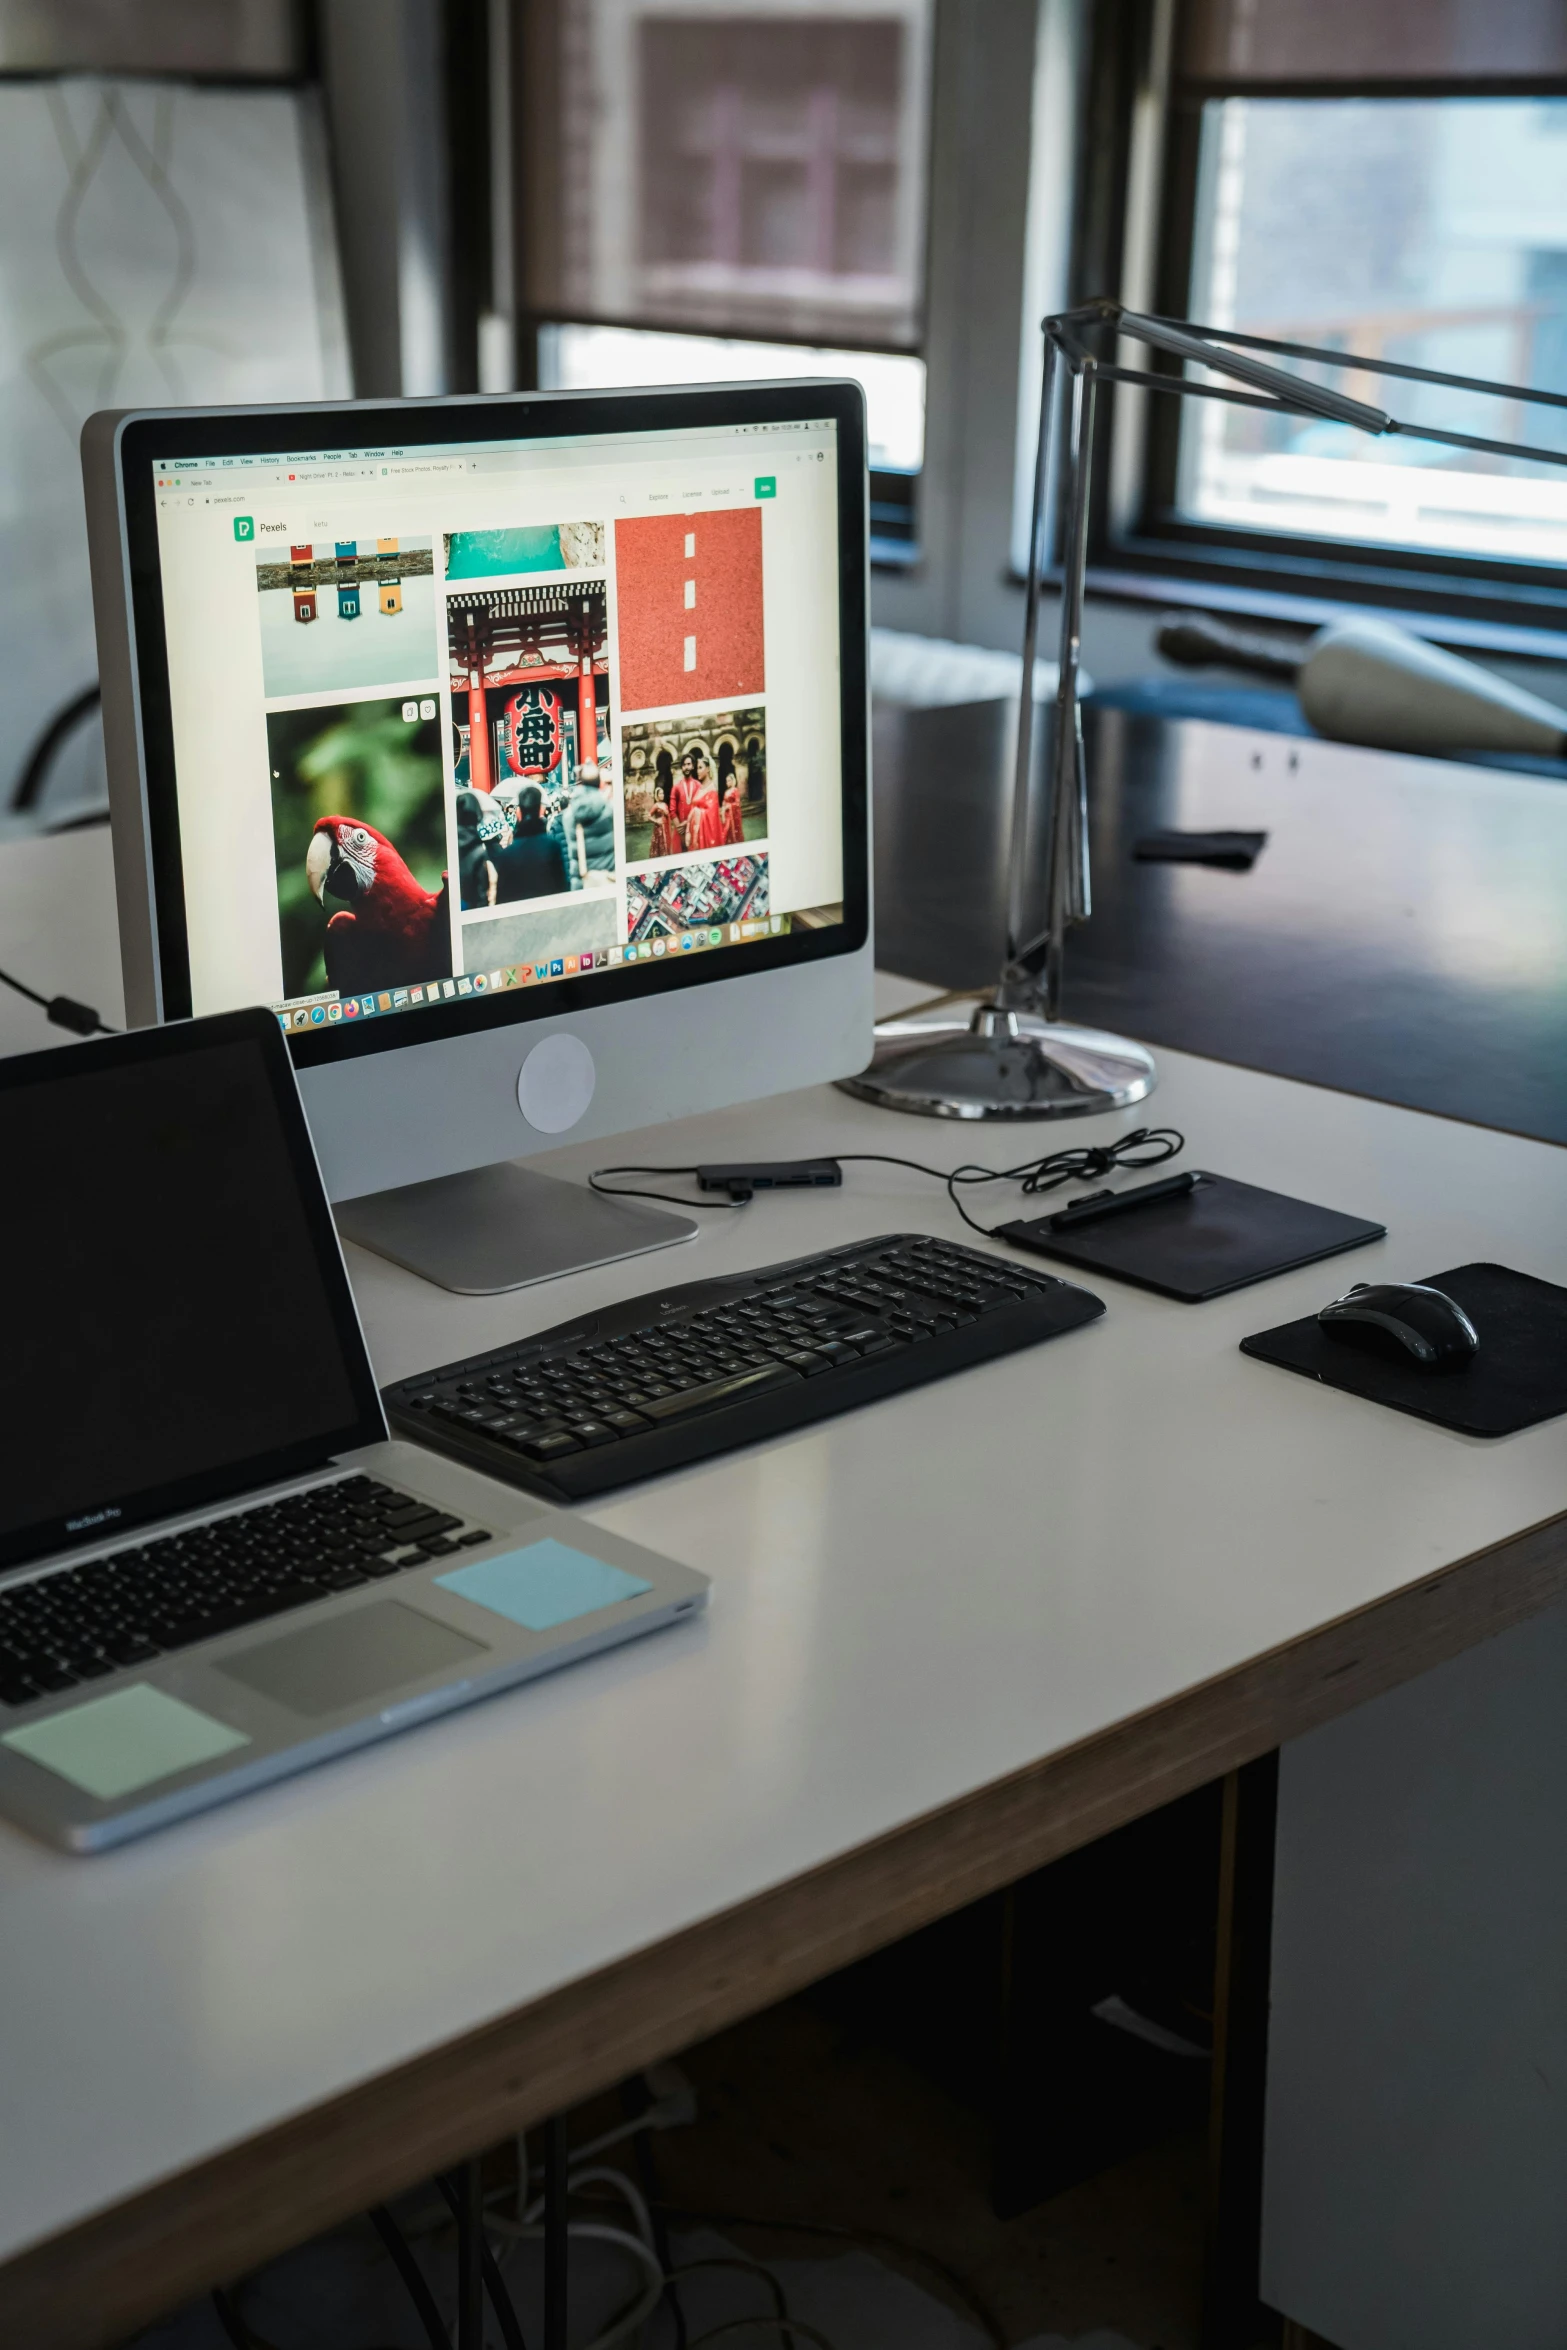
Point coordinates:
[[79, 1623]]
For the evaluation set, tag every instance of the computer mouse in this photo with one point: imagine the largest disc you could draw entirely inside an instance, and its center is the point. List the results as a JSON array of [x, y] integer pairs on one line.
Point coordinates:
[[1404, 1322]]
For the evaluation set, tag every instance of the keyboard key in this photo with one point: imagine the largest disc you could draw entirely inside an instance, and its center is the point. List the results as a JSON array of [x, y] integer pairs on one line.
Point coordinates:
[[132, 1648], [717, 1392], [551, 1447], [526, 1428]]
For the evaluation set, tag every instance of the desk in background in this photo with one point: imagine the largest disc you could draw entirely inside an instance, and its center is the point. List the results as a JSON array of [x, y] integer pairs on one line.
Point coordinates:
[[1402, 935]]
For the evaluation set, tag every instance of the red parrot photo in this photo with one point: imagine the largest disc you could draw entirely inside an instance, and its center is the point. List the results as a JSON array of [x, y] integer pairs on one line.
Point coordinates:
[[388, 930]]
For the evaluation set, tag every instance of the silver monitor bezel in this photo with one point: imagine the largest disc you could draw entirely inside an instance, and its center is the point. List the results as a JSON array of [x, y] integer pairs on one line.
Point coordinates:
[[118, 451]]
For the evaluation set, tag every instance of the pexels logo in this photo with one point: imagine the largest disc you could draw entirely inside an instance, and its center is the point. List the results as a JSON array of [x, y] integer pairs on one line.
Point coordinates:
[[275, 530]]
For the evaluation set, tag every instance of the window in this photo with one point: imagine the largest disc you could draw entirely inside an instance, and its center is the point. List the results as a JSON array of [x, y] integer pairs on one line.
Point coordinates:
[[712, 190], [1430, 231], [1385, 182]]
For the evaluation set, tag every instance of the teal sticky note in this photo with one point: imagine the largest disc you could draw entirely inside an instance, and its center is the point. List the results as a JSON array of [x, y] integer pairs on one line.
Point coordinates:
[[112, 1745], [546, 1584]]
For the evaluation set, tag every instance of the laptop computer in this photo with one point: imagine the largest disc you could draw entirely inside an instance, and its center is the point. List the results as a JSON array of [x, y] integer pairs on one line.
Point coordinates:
[[215, 1567]]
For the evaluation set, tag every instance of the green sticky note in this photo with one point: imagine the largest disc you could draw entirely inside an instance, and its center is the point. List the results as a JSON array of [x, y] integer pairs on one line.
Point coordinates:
[[112, 1745], [767, 485], [546, 1584]]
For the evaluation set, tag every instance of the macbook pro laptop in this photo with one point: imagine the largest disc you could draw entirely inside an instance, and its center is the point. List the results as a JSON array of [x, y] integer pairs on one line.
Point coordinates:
[[215, 1568]]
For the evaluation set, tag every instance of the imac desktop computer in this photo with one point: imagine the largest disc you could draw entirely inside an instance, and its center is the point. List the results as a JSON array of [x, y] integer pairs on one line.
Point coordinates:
[[514, 751]]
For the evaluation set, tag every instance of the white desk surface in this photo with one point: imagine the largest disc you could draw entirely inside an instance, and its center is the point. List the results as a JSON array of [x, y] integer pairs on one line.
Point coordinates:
[[909, 1603]]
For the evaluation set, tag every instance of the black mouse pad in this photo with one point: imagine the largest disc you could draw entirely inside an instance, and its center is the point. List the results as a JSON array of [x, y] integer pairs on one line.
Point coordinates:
[[1220, 1236], [1517, 1379]]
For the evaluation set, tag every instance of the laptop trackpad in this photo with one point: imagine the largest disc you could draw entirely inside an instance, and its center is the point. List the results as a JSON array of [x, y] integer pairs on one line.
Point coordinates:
[[351, 1659]]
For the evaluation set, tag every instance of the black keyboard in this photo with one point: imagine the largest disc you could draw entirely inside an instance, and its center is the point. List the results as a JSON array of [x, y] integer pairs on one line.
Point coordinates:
[[79, 1623], [680, 1374]]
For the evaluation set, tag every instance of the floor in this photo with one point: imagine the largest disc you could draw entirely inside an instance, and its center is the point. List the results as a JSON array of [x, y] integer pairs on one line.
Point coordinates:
[[855, 2179], [801, 2122]]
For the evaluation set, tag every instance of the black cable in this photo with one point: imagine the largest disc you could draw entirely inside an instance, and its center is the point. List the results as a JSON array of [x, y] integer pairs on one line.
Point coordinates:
[[63, 1010], [756, 2268], [30, 784], [494, 2284], [413, 2276], [1145, 1146], [234, 2325], [652, 2193], [968, 2294], [789, 2327], [670, 1199], [556, 2242]]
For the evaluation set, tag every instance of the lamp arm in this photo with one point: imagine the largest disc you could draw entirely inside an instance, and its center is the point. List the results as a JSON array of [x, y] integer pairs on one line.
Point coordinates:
[[1396, 367], [1031, 970], [1316, 399]]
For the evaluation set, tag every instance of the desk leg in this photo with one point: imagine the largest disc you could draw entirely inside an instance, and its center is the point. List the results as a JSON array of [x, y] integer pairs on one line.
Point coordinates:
[[555, 2239], [1234, 2317], [470, 2248]]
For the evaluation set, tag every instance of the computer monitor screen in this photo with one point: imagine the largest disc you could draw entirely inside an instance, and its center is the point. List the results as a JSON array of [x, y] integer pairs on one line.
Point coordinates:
[[456, 715]]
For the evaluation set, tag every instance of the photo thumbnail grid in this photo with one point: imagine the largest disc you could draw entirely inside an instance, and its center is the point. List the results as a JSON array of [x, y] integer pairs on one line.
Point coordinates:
[[596, 788]]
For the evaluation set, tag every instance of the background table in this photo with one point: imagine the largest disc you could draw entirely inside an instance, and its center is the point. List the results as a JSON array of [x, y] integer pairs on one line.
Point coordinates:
[[1402, 934]]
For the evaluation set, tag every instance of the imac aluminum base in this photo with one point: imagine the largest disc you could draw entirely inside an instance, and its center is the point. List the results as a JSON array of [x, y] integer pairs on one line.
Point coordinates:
[[1002, 1064], [498, 1228]]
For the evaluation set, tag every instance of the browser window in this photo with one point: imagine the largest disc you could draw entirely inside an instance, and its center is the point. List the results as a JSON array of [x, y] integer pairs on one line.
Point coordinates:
[[453, 720]]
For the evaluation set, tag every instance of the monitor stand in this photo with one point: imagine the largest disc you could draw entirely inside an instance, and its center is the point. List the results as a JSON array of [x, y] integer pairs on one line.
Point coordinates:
[[501, 1227]]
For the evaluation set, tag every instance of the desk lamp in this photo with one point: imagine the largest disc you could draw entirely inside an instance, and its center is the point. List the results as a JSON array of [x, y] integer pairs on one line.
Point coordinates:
[[1016, 1057]]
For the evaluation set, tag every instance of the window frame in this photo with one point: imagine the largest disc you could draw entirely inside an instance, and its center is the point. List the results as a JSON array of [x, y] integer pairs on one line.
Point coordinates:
[[895, 504], [1148, 548]]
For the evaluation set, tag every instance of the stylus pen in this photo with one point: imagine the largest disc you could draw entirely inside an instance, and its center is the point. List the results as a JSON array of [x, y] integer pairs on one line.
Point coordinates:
[[1116, 1203]]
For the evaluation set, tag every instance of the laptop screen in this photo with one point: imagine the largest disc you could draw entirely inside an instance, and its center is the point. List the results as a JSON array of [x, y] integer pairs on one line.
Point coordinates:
[[179, 1324]]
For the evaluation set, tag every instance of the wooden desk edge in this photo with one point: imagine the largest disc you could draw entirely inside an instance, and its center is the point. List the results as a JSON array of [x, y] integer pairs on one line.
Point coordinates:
[[96, 2281]]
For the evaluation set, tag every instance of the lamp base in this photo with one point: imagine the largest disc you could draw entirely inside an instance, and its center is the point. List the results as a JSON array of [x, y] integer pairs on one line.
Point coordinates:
[[1002, 1064]]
